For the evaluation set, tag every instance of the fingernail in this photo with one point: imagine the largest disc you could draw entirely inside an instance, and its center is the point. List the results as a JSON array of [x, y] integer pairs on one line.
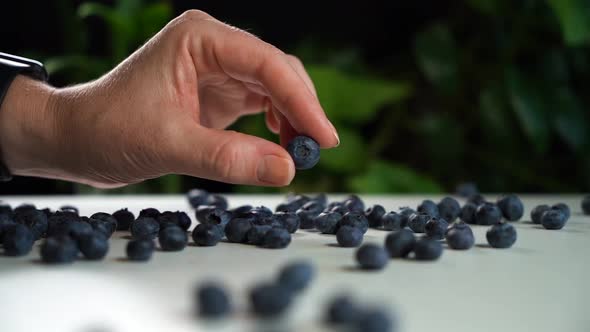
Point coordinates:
[[335, 134], [275, 170]]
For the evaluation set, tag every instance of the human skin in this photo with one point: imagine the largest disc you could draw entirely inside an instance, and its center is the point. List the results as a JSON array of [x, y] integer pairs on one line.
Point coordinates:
[[164, 110]]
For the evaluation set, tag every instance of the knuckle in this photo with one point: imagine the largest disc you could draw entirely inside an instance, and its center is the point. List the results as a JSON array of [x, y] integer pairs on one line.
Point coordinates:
[[194, 15]]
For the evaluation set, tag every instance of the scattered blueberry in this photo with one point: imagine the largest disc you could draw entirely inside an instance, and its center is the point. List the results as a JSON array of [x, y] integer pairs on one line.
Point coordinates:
[[418, 221], [149, 212], [348, 236], [374, 320], [207, 235], [172, 238], [236, 230], [392, 221], [93, 246], [354, 219], [70, 208], [108, 221], [342, 310], [197, 197], [24, 207], [213, 215], [406, 213], [6, 221], [586, 205], [327, 222], [466, 189], [306, 218], [511, 207], [296, 276], [145, 227], [34, 219], [5, 208], [276, 238], [17, 240], [124, 219], [240, 211], [59, 249], [256, 234], [488, 214], [217, 201], [140, 249], [537, 212], [553, 219], [467, 213], [371, 257], [354, 204], [289, 220], [270, 300], [304, 151], [449, 209], [400, 243], [260, 212], [428, 207], [213, 301], [427, 249], [459, 236], [476, 199], [563, 208], [501, 235], [435, 228]]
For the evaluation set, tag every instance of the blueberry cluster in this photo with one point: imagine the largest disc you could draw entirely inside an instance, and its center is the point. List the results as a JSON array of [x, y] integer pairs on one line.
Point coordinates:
[[551, 217], [344, 313]]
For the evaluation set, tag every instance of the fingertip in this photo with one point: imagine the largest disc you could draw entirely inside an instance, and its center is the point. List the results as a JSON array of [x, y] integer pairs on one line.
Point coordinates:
[[274, 170]]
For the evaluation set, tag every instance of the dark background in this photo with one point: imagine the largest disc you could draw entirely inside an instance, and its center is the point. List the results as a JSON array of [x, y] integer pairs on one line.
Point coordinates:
[[425, 94]]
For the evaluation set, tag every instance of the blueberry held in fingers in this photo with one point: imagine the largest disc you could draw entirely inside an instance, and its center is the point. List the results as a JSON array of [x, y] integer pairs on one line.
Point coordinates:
[[305, 152]]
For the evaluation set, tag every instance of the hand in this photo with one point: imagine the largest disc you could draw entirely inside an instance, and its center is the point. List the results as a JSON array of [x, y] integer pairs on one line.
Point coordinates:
[[164, 109]]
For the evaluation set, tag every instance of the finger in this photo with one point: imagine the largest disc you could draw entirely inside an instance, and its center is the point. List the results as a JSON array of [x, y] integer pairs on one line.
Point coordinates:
[[244, 57], [272, 121], [287, 133], [230, 156], [297, 65]]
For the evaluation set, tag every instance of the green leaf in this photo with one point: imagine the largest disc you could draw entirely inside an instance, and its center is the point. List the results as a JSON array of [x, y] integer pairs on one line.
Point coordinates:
[[383, 177], [528, 101], [348, 157], [436, 54], [354, 99], [574, 18]]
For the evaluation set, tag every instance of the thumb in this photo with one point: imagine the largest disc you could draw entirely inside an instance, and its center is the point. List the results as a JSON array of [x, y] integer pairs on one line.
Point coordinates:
[[232, 157]]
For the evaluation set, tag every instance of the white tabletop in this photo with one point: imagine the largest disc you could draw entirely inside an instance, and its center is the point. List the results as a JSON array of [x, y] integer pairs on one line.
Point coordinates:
[[540, 284]]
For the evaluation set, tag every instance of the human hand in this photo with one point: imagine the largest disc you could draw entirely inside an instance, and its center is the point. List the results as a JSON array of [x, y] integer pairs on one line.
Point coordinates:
[[164, 109]]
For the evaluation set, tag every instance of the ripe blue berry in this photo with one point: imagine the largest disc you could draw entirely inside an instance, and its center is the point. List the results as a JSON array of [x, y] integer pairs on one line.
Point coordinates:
[[459, 236], [374, 320], [374, 215], [213, 215], [270, 300], [140, 249], [476, 199], [537, 212], [354, 219], [563, 208], [586, 205], [392, 221], [406, 213], [354, 204], [418, 221], [93, 246], [149, 212], [59, 249], [427, 249], [197, 197], [342, 310], [6, 221], [213, 301], [70, 208], [17, 240], [511, 207], [145, 227], [553, 219], [207, 235], [172, 238], [296, 276], [256, 234], [217, 201], [240, 211], [327, 222], [467, 213], [276, 238], [124, 219], [108, 221], [449, 209], [400, 243], [371, 257], [306, 218], [501, 235], [435, 228], [289, 220], [488, 214], [304, 151], [348, 236], [466, 189], [236, 230], [34, 219], [428, 207]]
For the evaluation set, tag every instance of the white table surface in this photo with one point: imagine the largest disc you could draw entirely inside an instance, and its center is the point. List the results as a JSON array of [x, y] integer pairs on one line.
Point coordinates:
[[540, 284]]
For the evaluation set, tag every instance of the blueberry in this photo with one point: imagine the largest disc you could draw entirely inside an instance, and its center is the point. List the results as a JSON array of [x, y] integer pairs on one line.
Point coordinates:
[[217, 201], [354, 204], [236, 230], [339, 208], [449, 209], [35, 219], [276, 238], [140, 249], [406, 213], [467, 213], [563, 208], [348, 236], [466, 189], [371, 257], [100, 226], [296, 276], [182, 220], [172, 238], [256, 234], [6, 221], [107, 219], [124, 219], [428, 207], [553, 219], [435, 228], [77, 229], [5, 209], [354, 219], [374, 215], [374, 320], [427, 249], [24, 207], [393, 221], [240, 211], [586, 205], [342, 310], [59, 249], [304, 151], [476, 199], [501, 235], [288, 207], [488, 214], [313, 207], [511, 207], [327, 222], [289, 220], [270, 300], [261, 212], [197, 197], [321, 199], [537, 212], [94, 246], [306, 218], [17, 240], [207, 235], [400, 243], [70, 208], [418, 221], [213, 301], [213, 215], [149, 212], [60, 223], [145, 227], [459, 236]]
